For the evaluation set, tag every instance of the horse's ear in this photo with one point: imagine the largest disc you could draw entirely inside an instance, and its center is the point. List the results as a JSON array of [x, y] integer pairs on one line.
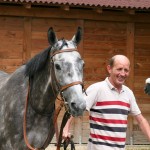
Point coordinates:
[[52, 39], [78, 36]]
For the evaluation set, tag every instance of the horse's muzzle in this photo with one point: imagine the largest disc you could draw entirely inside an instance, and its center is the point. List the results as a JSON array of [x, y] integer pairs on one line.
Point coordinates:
[[77, 109]]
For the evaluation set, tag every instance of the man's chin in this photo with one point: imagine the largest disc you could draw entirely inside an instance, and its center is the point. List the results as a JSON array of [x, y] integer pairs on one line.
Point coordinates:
[[120, 82]]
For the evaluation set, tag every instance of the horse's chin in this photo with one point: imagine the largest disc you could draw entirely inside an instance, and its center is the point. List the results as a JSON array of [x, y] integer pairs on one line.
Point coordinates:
[[77, 113]]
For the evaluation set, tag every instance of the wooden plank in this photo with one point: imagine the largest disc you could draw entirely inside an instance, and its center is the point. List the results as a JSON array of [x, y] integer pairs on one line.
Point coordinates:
[[59, 25], [8, 69], [11, 37], [105, 28], [11, 23], [144, 107], [11, 62], [142, 29], [130, 51], [141, 72], [27, 39]]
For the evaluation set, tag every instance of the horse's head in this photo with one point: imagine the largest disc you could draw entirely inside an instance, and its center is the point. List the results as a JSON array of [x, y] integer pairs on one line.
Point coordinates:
[[67, 71], [147, 86]]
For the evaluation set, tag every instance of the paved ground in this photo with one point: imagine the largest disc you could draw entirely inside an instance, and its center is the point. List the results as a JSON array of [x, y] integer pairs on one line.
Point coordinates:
[[83, 147], [78, 147]]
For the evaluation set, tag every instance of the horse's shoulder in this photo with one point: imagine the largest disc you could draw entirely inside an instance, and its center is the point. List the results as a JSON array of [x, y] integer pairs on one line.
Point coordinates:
[[3, 75], [17, 75]]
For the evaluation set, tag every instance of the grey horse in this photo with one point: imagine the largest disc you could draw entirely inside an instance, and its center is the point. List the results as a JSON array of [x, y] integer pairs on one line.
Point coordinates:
[[39, 81], [147, 86]]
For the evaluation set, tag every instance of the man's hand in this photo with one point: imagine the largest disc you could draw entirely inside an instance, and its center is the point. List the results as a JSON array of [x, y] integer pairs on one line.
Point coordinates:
[[66, 130], [66, 133]]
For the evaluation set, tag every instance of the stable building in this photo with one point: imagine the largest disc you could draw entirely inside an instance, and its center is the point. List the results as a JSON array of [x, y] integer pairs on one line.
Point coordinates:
[[109, 28]]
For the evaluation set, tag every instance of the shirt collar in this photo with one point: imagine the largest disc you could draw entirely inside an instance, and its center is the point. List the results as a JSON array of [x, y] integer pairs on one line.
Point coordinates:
[[111, 86]]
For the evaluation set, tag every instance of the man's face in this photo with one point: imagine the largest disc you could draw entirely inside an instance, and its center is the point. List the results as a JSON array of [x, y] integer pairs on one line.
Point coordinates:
[[119, 72]]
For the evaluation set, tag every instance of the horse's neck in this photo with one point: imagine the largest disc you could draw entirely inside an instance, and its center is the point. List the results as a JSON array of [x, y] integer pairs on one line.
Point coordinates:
[[41, 108], [42, 96]]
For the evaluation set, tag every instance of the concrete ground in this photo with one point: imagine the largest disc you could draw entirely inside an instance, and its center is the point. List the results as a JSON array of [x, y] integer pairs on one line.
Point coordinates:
[[83, 147], [78, 147]]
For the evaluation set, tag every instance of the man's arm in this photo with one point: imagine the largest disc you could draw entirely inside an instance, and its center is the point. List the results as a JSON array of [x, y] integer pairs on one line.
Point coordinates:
[[144, 125], [66, 129]]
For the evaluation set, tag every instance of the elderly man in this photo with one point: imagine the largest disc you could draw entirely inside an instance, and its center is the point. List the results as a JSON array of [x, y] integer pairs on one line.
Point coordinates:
[[109, 103]]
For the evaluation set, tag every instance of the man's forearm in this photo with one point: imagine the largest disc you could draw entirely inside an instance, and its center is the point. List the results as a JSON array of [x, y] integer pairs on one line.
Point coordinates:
[[66, 129]]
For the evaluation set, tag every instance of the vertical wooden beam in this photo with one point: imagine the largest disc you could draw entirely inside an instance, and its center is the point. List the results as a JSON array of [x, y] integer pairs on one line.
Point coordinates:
[[27, 39], [130, 55]]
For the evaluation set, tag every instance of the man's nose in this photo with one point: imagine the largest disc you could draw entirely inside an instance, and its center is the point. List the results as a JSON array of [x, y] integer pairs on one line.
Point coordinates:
[[123, 72]]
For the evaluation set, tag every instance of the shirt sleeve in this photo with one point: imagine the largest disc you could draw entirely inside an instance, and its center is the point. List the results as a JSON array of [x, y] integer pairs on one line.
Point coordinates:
[[91, 96], [134, 109]]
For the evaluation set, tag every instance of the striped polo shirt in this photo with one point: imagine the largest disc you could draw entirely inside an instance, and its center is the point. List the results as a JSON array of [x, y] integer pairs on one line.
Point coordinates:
[[108, 115]]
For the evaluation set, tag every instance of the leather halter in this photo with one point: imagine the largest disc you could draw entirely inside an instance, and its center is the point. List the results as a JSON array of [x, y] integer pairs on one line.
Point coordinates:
[[58, 86], [60, 90], [63, 50]]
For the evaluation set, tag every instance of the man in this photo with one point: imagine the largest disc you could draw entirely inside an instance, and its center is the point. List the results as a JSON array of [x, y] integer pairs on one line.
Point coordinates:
[[109, 102]]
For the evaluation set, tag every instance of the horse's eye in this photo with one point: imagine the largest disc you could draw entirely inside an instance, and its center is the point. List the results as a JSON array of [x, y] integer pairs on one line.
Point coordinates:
[[57, 66]]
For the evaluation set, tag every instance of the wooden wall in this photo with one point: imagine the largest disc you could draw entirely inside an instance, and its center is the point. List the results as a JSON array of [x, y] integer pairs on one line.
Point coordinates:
[[23, 33]]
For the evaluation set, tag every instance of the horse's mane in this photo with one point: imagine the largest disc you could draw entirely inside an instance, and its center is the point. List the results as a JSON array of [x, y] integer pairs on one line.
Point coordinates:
[[36, 63]]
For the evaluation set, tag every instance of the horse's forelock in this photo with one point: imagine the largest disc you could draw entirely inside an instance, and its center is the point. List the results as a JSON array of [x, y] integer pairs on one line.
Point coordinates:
[[36, 63], [59, 46]]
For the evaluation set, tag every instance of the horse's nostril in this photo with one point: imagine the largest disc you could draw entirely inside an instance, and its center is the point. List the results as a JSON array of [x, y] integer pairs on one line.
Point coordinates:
[[73, 105], [77, 107]]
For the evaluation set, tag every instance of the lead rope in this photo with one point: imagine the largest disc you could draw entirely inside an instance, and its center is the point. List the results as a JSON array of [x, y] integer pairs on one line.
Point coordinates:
[[64, 121], [68, 141], [57, 111], [25, 124]]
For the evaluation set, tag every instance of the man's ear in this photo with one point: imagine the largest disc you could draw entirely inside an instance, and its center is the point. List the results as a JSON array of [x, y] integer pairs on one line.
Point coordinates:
[[109, 69]]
